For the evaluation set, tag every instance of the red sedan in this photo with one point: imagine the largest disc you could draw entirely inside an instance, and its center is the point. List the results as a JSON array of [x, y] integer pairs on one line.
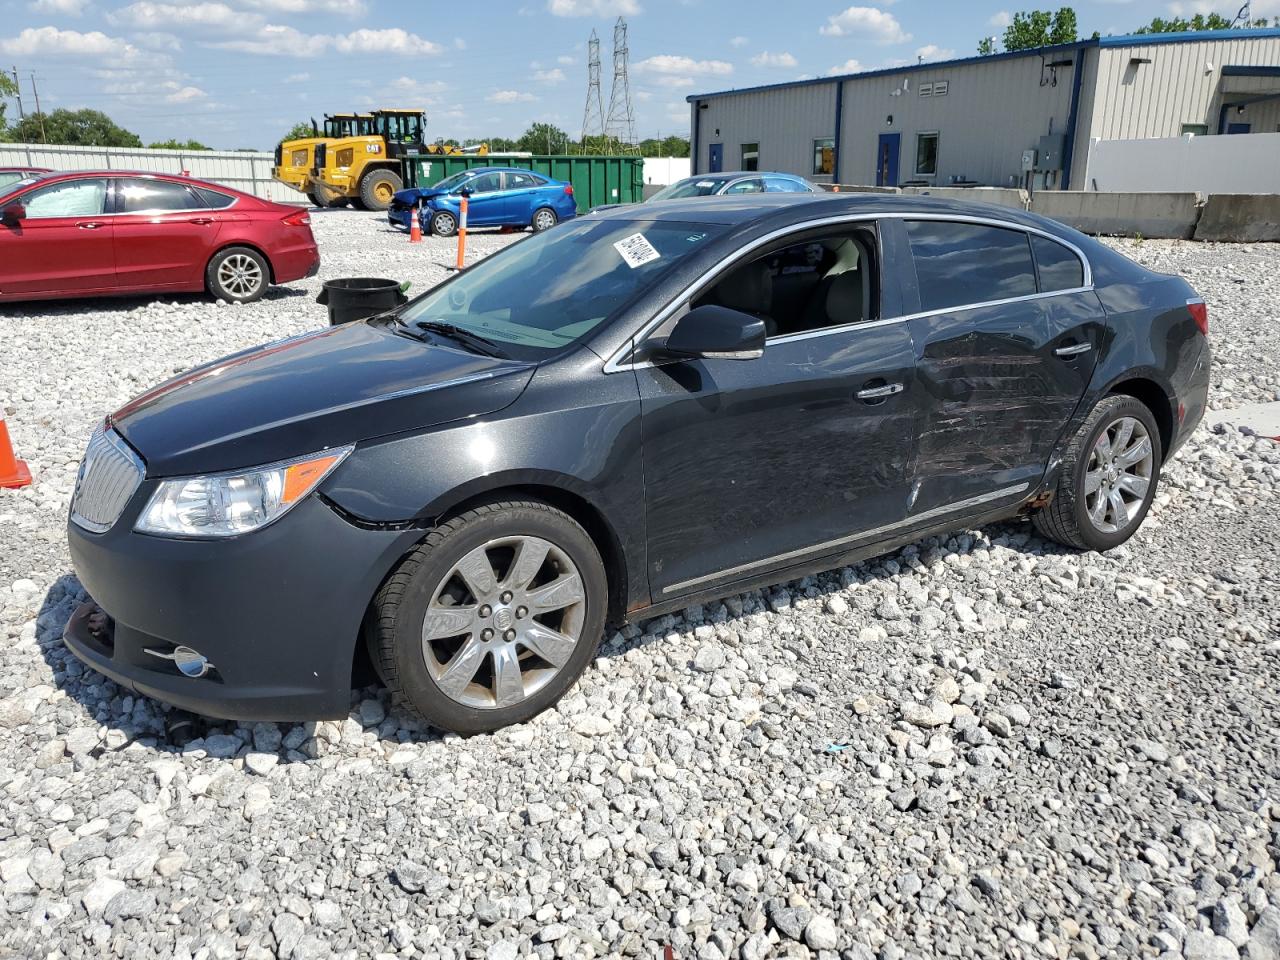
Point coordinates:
[[95, 233], [11, 175]]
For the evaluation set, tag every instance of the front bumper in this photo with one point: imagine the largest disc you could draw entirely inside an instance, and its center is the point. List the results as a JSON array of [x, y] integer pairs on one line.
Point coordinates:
[[400, 217], [276, 612]]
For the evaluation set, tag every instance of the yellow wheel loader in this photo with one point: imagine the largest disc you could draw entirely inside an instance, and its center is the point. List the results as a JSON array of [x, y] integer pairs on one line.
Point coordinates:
[[295, 159], [369, 168]]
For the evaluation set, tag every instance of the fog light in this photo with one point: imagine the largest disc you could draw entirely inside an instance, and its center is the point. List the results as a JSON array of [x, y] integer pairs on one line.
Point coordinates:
[[190, 663]]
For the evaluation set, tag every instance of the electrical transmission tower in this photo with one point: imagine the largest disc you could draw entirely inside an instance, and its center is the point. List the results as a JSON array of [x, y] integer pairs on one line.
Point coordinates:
[[593, 113], [620, 125]]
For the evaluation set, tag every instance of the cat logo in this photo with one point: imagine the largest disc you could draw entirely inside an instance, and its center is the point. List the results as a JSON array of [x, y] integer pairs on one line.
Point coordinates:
[[375, 148]]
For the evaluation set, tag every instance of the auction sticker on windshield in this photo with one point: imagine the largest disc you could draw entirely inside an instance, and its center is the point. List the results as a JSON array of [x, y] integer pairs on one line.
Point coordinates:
[[636, 250]]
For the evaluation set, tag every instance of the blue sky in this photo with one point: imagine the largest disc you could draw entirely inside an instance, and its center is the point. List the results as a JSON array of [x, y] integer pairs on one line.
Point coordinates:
[[237, 73]]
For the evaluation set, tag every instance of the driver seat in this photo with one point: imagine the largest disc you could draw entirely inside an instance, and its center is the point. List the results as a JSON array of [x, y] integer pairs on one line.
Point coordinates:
[[750, 290]]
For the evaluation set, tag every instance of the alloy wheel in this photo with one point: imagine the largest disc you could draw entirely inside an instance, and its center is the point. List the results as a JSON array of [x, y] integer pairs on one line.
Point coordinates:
[[1118, 475], [240, 275], [503, 621], [442, 224], [545, 220]]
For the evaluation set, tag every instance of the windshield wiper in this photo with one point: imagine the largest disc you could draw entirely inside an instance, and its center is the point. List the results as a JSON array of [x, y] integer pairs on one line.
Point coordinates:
[[477, 342]]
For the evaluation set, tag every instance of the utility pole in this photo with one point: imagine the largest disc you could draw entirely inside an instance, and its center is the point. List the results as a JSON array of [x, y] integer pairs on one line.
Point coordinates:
[[593, 113], [620, 128], [39, 112], [18, 93]]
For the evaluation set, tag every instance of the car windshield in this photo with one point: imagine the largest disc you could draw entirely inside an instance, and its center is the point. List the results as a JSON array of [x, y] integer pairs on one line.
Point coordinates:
[[450, 183], [543, 293], [693, 187]]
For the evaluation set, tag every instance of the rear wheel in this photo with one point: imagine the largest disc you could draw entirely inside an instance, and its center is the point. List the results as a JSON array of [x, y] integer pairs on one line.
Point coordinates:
[[544, 218], [356, 203], [238, 275], [378, 188], [493, 618], [444, 223], [1109, 475]]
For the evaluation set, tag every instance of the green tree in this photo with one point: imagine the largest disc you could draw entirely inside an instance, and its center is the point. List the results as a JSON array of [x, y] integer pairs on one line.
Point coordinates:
[[543, 138], [299, 131], [172, 144], [88, 128], [1040, 28], [7, 89], [987, 46], [666, 147], [1201, 21]]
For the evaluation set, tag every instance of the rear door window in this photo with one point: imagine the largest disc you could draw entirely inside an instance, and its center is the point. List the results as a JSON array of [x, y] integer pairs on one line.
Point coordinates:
[[1058, 267], [156, 196], [522, 181], [783, 185], [958, 264], [69, 198], [213, 199], [754, 185]]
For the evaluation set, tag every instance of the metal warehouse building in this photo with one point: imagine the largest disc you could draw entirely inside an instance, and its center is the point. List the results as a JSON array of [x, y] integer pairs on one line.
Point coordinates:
[[1001, 120]]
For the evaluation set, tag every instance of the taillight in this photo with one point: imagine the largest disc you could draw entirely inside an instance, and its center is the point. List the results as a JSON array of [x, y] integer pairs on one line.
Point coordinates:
[[568, 189], [300, 219], [1200, 314]]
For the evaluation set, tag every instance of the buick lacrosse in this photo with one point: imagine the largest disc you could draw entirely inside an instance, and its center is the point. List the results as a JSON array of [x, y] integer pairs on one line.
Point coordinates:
[[634, 412]]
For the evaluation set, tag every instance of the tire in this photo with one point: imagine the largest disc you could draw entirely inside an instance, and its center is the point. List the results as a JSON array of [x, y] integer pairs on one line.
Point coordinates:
[[378, 187], [544, 218], [231, 274], [443, 223], [1088, 519], [454, 680], [356, 203], [316, 201]]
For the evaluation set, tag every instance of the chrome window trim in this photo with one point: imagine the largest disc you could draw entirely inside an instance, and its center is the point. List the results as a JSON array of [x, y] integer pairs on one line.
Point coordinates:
[[140, 213], [828, 545], [615, 362]]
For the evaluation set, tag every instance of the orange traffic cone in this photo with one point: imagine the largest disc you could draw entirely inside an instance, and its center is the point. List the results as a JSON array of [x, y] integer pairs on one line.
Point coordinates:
[[13, 472], [415, 228]]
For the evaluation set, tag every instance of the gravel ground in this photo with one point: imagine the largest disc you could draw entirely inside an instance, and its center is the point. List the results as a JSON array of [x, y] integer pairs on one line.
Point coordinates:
[[981, 746]]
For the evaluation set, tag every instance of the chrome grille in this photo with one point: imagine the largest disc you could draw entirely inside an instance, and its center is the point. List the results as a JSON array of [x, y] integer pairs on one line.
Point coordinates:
[[109, 474]]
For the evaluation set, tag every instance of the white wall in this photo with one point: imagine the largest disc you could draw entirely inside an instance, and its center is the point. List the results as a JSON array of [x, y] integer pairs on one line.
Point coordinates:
[[249, 172], [1244, 163], [661, 171]]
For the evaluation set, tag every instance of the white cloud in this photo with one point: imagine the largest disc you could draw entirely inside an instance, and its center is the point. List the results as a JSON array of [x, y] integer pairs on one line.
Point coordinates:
[[672, 82], [1000, 19], [739, 42], [565, 60], [297, 77], [593, 8], [932, 51], [68, 8], [51, 42], [554, 75], [510, 96], [275, 40], [181, 94], [671, 64], [767, 59], [158, 41], [351, 8], [849, 66], [149, 15], [876, 25]]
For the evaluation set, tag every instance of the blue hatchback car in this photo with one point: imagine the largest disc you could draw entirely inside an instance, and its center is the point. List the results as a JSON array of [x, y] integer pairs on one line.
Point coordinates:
[[497, 197]]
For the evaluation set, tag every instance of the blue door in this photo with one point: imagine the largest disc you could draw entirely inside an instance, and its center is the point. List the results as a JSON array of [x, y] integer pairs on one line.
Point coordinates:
[[887, 159], [1239, 127], [716, 158], [486, 206]]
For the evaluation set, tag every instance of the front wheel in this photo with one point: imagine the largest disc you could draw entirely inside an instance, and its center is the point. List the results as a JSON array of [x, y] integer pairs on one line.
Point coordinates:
[[378, 189], [238, 275], [315, 200], [1109, 475], [444, 224], [492, 618], [544, 218]]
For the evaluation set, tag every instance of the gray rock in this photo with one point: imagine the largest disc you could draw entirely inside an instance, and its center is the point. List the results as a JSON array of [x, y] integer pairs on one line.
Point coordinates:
[[820, 933], [1208, 946]]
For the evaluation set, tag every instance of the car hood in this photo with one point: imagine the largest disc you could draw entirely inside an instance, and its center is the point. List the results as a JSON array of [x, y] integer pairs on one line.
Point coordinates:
[[414, 194], [325, 389]]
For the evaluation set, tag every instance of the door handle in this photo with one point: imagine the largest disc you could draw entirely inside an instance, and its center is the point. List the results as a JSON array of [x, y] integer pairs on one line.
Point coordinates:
[[88, 226], [201, 220], [1074, 349], [878, 393]]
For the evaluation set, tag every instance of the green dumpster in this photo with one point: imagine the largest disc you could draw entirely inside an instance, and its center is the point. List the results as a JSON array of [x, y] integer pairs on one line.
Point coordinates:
[[595, 179]]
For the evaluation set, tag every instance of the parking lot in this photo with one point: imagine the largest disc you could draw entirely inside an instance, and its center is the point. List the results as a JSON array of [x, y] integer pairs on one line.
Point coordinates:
[[983, 745]]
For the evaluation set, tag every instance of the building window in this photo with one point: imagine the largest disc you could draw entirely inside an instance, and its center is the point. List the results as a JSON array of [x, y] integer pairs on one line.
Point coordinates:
[[824, 156], [1199, 129], [751, 156], [927, 154]]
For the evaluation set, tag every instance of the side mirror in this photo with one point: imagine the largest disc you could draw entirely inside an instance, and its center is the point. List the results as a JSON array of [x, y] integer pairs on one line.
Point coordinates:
[[465, 192], [711, 332], [13, 214]]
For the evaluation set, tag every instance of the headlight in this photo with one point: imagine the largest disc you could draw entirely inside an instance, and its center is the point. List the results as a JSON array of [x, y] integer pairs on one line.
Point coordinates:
[[228, 504]]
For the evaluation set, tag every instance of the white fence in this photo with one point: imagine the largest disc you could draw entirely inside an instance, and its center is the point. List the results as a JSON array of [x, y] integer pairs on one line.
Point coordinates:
[[1239, 163], [661, 171], [250, 172]]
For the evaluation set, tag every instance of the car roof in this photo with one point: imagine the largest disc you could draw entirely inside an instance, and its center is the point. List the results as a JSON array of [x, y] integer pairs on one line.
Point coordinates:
[[788, 209], [734, 174], [506, 170]]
